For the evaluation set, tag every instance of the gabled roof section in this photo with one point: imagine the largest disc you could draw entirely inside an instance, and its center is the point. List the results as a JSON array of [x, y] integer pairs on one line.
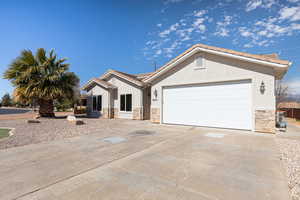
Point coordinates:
[[98, 81], [267, 60], [129, 77], [143, 75]]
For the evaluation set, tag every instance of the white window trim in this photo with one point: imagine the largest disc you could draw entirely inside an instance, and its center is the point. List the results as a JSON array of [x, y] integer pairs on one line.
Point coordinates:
[[124, 111], [203, 62]]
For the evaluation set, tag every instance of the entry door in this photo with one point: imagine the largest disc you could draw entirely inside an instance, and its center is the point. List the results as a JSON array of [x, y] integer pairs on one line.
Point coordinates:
[[223, 105]]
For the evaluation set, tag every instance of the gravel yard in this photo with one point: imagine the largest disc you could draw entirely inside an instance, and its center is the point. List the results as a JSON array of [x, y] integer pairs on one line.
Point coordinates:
[[290, 155], [47, 130]]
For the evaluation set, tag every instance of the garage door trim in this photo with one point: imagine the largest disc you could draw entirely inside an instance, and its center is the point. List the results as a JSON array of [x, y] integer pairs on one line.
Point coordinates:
[[238, 81]]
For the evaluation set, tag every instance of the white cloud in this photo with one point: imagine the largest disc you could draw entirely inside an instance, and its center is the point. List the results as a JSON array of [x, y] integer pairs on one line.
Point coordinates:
[[172, 1], [221, 29], [169, 30], [253, 4], [249, 45], [292, 13], [293, 1], [222, 32], [294, 86], [264, 32], [158, 52], [158, 25], [200, 13]]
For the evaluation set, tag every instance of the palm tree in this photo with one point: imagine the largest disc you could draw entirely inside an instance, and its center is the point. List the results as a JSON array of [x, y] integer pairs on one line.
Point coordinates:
[[41, 78]]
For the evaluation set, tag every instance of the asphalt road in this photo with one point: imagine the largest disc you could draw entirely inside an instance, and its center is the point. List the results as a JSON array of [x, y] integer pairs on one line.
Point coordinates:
[[7, 111]]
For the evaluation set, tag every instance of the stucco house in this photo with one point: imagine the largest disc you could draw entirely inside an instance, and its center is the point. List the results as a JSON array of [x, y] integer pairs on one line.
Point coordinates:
[[204, 86]]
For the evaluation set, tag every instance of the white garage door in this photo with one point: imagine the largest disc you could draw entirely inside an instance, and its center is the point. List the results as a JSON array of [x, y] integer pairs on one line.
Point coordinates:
[[224, 105]]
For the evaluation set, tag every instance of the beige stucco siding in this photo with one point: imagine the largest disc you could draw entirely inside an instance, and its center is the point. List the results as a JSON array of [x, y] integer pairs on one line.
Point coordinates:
[[95, 91], [219, 69], [125, 87]]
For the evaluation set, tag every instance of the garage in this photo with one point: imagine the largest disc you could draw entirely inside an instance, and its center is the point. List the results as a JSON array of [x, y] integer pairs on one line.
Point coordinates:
[[221, 105]]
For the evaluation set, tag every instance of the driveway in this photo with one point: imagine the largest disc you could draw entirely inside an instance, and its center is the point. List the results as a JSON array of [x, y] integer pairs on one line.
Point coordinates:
[[139, 160]]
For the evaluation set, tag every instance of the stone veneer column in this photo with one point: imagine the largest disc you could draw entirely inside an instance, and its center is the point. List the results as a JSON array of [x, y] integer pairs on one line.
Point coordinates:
[[115, 113], [155, 115], [265, 121], [105, 113], [137, 113]]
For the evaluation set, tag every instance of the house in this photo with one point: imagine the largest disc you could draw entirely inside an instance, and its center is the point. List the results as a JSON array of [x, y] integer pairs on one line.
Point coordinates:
[[204, 86], [291, 108]]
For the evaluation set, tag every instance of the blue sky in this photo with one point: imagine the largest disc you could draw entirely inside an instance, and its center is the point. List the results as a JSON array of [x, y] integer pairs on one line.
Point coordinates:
[[132, 35]]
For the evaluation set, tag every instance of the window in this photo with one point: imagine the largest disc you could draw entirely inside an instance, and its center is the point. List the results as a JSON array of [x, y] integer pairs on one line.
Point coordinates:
[[99, 103], [94, 102], [199, 63], [126, 102]]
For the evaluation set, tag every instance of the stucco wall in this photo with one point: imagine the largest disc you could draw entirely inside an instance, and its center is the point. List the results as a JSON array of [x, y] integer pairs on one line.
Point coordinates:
[[97, 90], [218, 69], [125, 87]]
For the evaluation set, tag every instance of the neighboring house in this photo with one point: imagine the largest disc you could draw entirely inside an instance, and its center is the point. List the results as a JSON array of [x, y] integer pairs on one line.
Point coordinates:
[[204, 86], [291, 108]]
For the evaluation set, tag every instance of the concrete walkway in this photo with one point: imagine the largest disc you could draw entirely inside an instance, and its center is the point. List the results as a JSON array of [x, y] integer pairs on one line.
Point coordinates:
[[146, 162], [293, 131]]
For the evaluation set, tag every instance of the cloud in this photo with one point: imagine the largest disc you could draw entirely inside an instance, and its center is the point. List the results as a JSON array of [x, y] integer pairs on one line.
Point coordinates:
[[158, 52], [290, 13], [166, 32], [221, 29], [158, 25], [293, 86], [200, 13], [253, 4], [172, 1]]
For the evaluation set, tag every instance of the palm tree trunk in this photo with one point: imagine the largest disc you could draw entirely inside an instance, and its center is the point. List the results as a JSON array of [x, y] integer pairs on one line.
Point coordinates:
[[46, 108]]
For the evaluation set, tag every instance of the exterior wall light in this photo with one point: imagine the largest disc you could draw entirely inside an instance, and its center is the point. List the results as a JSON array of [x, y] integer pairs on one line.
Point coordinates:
[[262, 88], [155, 94]]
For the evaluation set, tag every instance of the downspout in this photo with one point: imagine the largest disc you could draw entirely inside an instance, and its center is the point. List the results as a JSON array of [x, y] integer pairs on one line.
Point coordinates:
[[109, 104]]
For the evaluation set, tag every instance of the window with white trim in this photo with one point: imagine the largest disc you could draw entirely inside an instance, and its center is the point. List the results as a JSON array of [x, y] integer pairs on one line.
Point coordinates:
[[97, 103], [199, 63], [126, 102]]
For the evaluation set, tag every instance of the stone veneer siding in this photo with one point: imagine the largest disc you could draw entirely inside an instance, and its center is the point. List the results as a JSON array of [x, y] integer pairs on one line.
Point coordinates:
[[155, 115], [115, 112], [105, 112], [265, 121], [137, 113]]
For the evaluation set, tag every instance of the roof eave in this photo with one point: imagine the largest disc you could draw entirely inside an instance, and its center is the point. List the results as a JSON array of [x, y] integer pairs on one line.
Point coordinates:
[[197, 49], [111, 72]]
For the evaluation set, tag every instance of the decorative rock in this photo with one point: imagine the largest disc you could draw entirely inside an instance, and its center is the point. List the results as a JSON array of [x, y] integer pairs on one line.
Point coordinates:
[[79, 122], [71, 118], [32, 121], [37, 116]]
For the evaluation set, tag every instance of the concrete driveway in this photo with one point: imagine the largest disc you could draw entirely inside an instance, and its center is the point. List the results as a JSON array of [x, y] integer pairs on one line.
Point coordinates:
[[139, 160]]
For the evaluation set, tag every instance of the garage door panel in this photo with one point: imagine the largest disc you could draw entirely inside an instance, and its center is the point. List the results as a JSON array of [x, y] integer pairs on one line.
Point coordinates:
[[222, 105]]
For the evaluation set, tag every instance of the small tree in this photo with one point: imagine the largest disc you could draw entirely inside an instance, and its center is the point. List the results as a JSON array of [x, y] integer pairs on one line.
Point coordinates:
[[6, 100], [41, 79], [281, 92]]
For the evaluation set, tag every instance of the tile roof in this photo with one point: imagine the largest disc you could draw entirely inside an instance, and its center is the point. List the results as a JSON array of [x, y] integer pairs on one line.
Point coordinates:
[[101, 82], [143, 75], [128, 77]]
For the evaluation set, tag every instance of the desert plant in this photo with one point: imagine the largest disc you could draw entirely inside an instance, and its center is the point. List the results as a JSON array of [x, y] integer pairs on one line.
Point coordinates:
[[41, 78]]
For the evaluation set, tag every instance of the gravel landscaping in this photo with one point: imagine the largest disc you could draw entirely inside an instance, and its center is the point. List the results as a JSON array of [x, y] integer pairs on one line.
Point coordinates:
[[49, 129], [290, 155]]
